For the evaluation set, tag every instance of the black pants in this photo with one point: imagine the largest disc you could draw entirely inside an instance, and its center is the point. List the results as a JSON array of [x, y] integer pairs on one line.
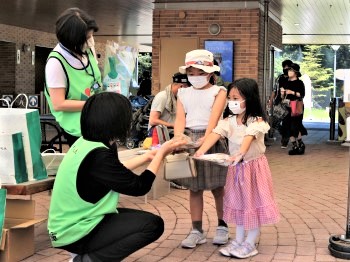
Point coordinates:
[[119, 235]]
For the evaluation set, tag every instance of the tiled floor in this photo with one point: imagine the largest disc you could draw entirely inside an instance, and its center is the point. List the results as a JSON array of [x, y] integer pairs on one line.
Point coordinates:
[[311, 191]]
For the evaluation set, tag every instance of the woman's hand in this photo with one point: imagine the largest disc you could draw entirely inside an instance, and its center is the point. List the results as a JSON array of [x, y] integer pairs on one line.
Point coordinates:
[[165, 149], [171, 145], [150, 154], [290, 92]]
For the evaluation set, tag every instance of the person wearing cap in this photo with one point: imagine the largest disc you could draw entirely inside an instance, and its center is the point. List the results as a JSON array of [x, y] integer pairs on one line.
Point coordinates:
[[275, 99], [295, 90], [163, 109], [199, 108]]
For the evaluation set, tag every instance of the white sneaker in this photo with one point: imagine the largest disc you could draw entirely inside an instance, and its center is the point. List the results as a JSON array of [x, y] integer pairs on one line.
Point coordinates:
[[193, 239], [226, 251], [244, 251], [222, 236]]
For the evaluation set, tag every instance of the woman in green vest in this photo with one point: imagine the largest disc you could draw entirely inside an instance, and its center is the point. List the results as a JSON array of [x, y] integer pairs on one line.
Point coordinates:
[[71, 71], [84, 217]]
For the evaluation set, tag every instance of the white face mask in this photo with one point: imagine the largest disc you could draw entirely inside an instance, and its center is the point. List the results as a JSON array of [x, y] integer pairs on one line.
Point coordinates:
[[90, 43], [235, 107], [198, 81], [85, 47]]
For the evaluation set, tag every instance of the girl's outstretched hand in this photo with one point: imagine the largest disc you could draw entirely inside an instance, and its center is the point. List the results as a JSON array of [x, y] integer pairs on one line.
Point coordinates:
[[236, 158], [198, 153], [200, 141]]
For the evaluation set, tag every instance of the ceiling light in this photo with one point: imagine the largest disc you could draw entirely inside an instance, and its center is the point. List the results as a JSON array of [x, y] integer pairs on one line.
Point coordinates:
[[296, 24]]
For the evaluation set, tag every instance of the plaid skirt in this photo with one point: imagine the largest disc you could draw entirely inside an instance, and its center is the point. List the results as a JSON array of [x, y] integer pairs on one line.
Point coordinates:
[[209, 175]]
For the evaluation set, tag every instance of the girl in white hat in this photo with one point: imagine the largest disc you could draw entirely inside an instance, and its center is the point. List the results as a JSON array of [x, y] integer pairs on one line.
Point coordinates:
[[199, 108]]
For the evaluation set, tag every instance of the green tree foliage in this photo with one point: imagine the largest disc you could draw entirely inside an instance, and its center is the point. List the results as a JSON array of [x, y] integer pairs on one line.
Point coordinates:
[[343, 57], [291, 52], [320, 76], [145, 63]]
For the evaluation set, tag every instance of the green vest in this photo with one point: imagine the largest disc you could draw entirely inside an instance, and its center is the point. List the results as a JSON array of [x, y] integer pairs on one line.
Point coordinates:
[[79, 83], [70, 217]]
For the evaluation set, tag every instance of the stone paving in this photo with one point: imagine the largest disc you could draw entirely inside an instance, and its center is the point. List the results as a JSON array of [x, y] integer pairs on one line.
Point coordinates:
[[311, 191]]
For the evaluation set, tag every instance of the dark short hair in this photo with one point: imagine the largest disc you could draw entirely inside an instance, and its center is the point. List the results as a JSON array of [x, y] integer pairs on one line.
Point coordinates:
[[248, 88], [287, 63], [105, 117], [71, 29]]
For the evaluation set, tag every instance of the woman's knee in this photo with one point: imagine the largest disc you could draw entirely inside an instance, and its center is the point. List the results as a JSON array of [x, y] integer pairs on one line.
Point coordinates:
[[155, 225]]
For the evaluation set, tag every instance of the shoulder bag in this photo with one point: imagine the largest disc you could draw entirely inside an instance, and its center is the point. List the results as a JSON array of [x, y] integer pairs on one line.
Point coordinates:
[[280, 111], [296, 107], [179, 166]]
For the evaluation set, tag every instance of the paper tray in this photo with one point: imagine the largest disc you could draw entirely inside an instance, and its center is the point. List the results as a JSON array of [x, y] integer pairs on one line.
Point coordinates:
[[218, 158]]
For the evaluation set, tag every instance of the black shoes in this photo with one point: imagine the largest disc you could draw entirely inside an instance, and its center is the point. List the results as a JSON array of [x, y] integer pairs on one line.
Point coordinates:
[[297, 150], [301, 148]]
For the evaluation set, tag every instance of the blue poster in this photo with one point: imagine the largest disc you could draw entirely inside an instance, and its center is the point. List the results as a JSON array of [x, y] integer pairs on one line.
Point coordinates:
[[223, 52]]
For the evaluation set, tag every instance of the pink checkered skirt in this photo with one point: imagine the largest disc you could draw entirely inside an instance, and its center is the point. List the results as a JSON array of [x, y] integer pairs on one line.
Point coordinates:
[[249, 199]]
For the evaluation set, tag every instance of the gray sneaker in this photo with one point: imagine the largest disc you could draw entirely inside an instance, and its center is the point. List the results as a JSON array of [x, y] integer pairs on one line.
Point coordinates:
[[222, 236], [244, 251], [193, 239], [226, 251]]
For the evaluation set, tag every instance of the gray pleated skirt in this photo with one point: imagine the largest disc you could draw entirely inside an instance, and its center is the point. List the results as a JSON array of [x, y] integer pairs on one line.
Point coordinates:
[[209, 175]]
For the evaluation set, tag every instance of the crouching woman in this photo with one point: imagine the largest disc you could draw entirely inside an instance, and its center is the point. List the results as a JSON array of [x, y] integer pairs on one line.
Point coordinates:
[[84, 217]]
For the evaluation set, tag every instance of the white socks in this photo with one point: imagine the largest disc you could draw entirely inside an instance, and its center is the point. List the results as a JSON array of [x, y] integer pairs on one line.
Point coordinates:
[[252, 235]]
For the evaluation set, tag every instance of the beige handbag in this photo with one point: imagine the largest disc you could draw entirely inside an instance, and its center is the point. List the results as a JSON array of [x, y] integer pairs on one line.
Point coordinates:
[[179, 166]]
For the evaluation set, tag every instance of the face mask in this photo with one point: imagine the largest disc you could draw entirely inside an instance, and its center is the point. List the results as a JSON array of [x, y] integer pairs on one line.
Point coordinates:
[[285, 71], [198, 81], [235, 107], [91, 42], [85, 47]]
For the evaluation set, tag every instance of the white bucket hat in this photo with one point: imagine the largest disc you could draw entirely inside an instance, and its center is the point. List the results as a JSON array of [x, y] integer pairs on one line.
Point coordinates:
[[200, 58]]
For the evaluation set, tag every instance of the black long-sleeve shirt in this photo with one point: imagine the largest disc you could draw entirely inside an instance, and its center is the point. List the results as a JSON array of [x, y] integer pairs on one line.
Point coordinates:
[[101, 171], [296, 86]]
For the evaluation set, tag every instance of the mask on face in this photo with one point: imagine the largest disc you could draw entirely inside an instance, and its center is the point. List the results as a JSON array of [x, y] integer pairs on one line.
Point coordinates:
[[235, 107], [285, 71], [198, 81], [91, 42], [85, 47]]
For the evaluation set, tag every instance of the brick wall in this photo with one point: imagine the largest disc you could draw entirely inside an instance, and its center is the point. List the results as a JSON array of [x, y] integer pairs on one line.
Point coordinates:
[[23, 80], [20, 78], [7, 57], [245, 27]]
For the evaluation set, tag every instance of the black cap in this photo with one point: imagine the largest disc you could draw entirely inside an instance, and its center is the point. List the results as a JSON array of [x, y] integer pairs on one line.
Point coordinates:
[[180, 78]]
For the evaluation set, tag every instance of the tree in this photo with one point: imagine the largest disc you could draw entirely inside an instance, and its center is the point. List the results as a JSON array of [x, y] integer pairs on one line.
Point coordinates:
[[144, 63], [290, 52], [321, 77]]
